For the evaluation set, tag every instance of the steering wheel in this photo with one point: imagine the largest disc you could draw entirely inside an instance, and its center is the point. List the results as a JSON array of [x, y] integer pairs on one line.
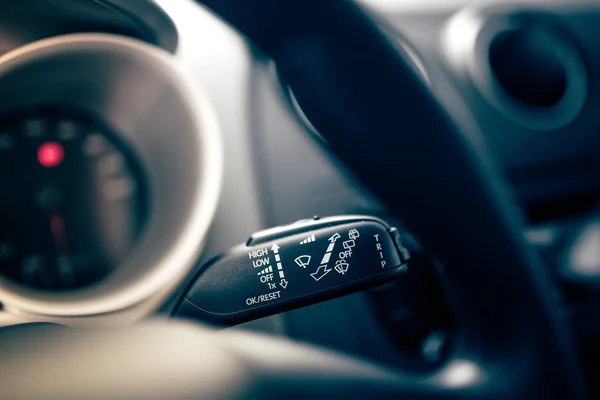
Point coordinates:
[[421, 155]]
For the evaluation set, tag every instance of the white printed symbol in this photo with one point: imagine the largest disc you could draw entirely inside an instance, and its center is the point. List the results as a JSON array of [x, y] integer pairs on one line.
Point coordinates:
[[323, 270], [345, 254], [272, 285], [258, 253], [327, 255], [341, 267], [348, 244], [309, 239], [266, 270], [303, 261], [353, 234], [275, 249], [261, 262], [320, 272], [379, 248]]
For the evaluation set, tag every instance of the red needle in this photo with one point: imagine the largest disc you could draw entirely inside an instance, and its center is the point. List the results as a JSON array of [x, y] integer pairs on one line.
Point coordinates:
[[57, 226]]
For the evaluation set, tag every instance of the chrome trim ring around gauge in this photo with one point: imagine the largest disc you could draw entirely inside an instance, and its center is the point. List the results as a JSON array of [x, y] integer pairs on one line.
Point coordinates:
[[467, 40], [148, 98]]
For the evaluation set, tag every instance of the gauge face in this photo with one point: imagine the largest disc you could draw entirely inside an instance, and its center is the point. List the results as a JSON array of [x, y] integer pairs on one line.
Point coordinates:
[[72, 199]]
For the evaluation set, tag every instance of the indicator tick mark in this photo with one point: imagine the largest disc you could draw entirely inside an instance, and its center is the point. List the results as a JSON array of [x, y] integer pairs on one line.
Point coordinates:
[[326, 257], [309, 239], [275, 249]]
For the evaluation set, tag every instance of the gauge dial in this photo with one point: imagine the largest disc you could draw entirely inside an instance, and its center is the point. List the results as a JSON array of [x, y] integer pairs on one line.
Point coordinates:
[[72, 203]]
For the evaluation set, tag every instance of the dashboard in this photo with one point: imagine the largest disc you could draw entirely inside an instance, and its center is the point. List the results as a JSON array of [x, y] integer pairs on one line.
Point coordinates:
[[153, 200]]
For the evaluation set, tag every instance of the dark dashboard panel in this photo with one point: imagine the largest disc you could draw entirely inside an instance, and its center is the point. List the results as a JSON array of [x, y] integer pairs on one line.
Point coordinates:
[[298, 178], [28, 21], [550, 165]]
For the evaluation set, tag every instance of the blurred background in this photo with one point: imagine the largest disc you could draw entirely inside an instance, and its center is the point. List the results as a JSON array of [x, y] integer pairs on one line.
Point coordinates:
[[82, 183]]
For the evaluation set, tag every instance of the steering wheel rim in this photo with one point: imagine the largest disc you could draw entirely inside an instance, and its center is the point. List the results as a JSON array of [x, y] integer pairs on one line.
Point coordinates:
[[421, 154]]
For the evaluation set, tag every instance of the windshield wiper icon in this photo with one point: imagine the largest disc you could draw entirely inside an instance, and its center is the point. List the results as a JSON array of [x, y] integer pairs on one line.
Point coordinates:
[[303, 261]]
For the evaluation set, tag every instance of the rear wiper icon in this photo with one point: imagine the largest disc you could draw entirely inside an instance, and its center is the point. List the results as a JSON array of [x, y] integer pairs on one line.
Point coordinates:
[[341, 267]]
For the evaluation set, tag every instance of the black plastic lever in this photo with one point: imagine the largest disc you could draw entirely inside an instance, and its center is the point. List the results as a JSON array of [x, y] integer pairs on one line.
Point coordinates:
[[288, 267]]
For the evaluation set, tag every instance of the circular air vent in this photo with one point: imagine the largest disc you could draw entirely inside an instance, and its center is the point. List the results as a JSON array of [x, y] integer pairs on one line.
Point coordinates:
[[525, 63], [528, 66]]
